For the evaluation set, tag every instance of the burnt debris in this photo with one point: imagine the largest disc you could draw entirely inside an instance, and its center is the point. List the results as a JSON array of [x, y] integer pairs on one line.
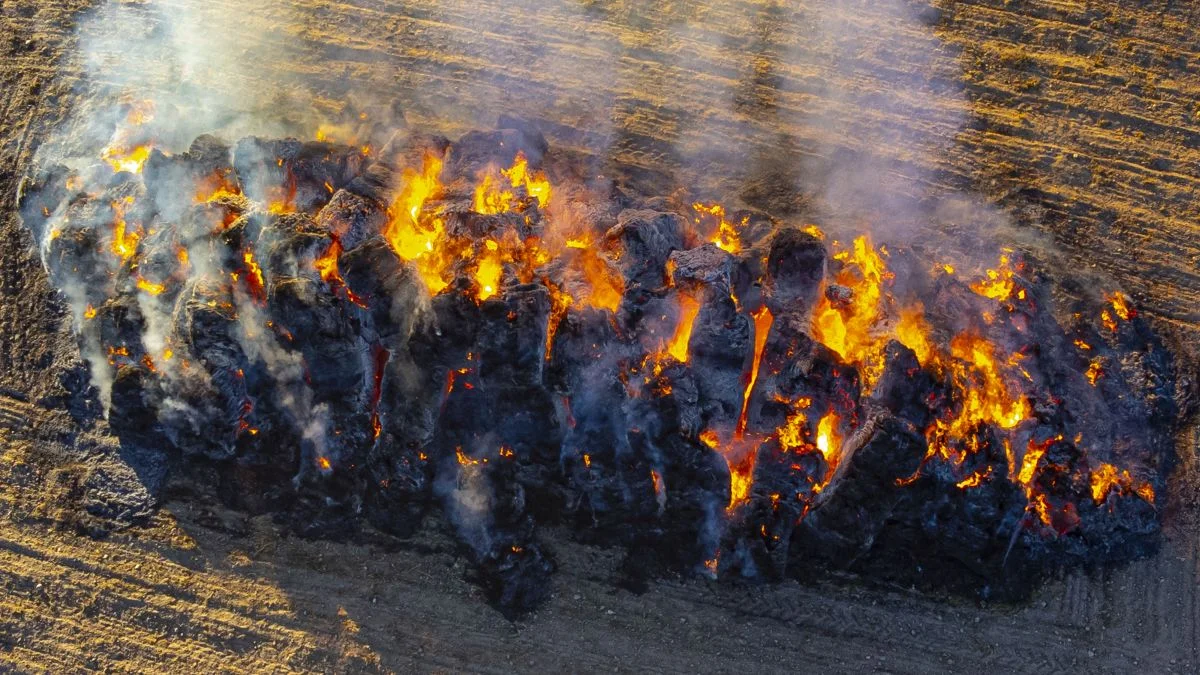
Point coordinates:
[[355, 335]]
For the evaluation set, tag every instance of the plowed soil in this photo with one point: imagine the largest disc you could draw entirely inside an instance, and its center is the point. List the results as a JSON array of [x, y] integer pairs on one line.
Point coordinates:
[[1075, 125]]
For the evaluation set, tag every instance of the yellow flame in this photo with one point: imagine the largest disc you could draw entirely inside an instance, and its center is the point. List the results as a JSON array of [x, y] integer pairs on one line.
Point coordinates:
[[851, 330], [131, 160]]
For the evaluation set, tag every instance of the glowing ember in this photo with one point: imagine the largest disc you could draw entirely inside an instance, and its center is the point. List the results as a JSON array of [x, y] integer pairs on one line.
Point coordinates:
[[465, 460], [974, 480], [254, 277]]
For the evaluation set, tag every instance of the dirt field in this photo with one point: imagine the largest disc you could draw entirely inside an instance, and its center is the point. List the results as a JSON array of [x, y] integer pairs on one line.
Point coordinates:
[[1078, 122]]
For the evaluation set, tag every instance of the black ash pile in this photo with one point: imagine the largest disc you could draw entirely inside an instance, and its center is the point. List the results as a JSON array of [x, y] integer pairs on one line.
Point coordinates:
[[354, 334]]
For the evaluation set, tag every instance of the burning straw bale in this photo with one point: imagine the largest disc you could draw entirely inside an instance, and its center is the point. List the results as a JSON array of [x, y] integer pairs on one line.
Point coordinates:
[[363, 332]]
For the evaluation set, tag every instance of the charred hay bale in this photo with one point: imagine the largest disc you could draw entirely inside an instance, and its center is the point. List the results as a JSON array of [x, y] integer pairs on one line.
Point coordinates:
[[74, 266], [396, 297], [585, 340], [162, 266], [689, 489], [519, 224], [320, 169], [229, 245], [665, 401], [610, 497], [512, 337], [528, 423], [647, 239], [351, 219], [486, 506], [477, 150], [781, 491], [863, 496], [175, 182], [1152, 374], [398, 471], [116, 328], [952, 309], [300, 175], [795, 269], [374, 184], [452, 333], [905, 389], [599, 463], [289, 244], [325, 498], [200, 221], [134, 406], [962, 539], [797, 370], [40, 196], [1123, 525], [706, 266], [328, 338], [408, 405], [398, 490], [516, 579], [208, 405], [465, 417], [263, 168], [717, 351]]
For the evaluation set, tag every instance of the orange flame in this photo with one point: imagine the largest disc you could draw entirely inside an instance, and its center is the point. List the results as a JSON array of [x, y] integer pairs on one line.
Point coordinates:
[[327, 263], [762, 326], [725, 235], [1107, 478], [689, 307], [1121, 306], [464, 460], [605, 286]]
